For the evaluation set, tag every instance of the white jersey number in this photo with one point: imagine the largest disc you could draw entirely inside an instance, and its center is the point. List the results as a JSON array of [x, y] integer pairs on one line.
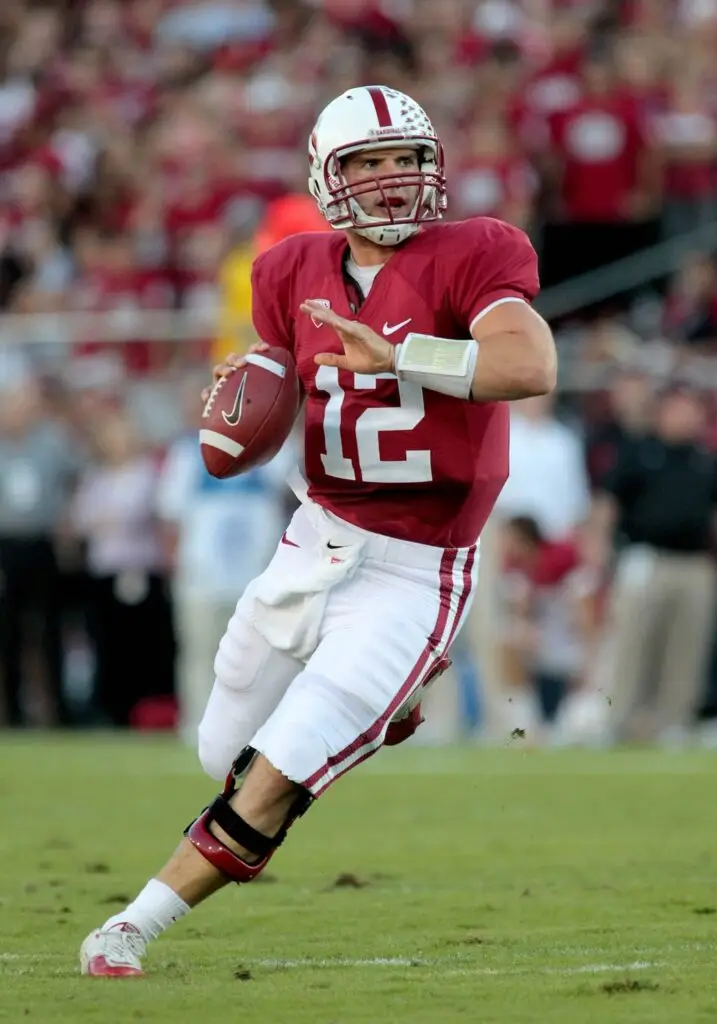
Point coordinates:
[[414, 468]]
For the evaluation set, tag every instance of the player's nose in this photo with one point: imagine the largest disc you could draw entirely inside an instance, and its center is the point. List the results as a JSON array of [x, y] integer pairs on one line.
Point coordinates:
[[397, 182], [394, 168]]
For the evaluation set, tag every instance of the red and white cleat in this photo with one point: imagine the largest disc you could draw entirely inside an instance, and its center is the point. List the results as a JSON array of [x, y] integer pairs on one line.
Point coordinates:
[[114, 953]]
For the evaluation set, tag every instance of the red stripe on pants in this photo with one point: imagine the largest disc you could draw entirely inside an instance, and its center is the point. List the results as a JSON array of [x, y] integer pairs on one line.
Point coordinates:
[[419, 669]]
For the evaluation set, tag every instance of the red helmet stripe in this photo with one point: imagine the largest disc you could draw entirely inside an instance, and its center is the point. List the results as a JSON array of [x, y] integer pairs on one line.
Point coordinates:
[[382, 112]]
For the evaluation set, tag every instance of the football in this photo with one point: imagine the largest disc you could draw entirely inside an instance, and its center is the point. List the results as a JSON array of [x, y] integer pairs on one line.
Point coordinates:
[[249, 413]]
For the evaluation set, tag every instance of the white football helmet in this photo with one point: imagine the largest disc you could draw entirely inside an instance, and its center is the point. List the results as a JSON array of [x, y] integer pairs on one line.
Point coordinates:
[[369, 118]]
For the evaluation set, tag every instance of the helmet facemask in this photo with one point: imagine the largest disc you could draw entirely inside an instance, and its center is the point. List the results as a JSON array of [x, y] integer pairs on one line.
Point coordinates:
[[339, 201]]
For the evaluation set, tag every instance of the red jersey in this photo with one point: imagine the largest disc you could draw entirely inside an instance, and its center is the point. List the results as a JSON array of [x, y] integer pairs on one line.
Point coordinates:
[[387, 455], [600, 139]]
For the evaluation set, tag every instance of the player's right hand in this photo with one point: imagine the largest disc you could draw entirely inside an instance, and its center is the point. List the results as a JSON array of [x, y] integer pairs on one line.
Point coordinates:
[[364, 350], [231, 363]]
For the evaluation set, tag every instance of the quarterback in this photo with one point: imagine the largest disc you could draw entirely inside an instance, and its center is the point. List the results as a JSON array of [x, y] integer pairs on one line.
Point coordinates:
[[410, 336]]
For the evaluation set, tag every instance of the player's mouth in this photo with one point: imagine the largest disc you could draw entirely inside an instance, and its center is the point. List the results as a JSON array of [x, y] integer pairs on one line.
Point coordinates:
[[393, 203]]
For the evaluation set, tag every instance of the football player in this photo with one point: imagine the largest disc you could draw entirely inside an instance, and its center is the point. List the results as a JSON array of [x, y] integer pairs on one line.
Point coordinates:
[[410, 335]]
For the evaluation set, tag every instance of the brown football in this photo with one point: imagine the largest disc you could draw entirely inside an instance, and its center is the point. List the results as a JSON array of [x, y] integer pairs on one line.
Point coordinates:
[[249, 413]]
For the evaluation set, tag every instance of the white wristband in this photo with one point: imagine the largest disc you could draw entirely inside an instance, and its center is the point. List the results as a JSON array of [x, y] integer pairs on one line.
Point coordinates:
[[440, 364]]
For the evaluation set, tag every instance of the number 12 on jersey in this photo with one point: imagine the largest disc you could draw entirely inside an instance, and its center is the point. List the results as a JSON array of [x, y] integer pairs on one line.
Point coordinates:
[[414, 468]]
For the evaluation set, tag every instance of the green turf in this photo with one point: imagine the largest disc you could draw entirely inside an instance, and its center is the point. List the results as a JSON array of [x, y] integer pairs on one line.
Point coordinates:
[[489, 887]]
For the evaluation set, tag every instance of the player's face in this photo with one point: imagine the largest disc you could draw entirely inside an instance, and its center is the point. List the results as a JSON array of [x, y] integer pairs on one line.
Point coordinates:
[[394, 198]]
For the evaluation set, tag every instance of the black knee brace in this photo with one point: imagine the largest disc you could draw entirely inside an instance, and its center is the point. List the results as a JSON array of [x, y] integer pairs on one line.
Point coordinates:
[[220, 856]]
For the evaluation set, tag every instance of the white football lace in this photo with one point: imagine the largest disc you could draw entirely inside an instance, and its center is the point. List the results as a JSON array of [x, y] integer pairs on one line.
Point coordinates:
[[213, 395]]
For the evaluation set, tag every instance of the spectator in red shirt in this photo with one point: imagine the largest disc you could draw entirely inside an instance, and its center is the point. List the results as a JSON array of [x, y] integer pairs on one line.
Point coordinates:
[[602, 138], [604, 177], [686, 132]]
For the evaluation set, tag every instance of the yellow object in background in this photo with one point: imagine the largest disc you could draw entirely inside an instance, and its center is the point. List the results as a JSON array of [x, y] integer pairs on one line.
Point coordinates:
[[289, 215], [235, 328]]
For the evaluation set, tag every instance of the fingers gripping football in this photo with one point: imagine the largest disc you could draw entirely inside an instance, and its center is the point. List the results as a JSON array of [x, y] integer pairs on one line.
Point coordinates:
[[250, 411], [231, 363], [364, 350]]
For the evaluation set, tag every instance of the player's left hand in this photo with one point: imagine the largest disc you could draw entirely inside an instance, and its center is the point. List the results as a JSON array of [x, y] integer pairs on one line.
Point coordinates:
[[364, 350]]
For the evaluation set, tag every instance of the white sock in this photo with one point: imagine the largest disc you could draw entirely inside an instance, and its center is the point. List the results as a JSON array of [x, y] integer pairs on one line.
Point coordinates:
[[156, 907]]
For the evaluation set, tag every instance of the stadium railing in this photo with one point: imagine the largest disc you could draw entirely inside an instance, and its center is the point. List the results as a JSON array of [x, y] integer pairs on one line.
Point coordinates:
[[632, 272]]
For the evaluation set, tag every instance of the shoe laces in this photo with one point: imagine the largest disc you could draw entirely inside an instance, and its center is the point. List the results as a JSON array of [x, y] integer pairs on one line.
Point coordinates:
[[123, 939]]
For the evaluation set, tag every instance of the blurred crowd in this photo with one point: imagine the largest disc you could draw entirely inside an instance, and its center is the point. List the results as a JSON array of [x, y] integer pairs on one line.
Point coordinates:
[[149, 149], [142, 142], [120, 561], [604, 571]]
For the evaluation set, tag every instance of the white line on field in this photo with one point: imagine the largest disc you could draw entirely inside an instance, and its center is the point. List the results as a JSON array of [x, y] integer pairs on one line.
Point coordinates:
[[452, 966], [449, 966], [638, 965], [308, 961]]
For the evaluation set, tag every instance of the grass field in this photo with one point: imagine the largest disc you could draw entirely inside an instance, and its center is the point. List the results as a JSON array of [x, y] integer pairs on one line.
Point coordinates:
[[459, 885]]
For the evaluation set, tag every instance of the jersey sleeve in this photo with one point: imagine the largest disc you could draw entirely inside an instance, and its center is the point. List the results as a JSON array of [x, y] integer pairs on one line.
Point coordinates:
[[495, 261], [270, 302]]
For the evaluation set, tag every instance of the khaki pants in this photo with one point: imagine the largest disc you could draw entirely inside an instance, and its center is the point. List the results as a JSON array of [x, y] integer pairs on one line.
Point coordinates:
[[201, 623], [659, 636], [502, 706]]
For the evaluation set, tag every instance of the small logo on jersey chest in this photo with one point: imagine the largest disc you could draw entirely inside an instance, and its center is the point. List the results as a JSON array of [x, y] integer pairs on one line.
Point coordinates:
[[322, 302], [388, 330]]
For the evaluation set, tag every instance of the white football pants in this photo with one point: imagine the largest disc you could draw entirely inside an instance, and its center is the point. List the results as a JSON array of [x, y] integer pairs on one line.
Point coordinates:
[[336, 636]]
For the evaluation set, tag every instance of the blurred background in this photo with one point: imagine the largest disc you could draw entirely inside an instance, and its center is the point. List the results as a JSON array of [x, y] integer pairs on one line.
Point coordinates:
[[149, 149]]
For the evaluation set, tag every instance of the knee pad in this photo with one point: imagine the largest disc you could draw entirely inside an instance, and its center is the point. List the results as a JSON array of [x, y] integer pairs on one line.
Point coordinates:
[[213, 756], [220, 811]]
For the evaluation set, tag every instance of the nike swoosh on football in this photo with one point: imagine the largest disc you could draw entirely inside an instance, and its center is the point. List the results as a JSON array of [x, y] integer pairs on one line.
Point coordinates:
[[232, 418], [392, 330]]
